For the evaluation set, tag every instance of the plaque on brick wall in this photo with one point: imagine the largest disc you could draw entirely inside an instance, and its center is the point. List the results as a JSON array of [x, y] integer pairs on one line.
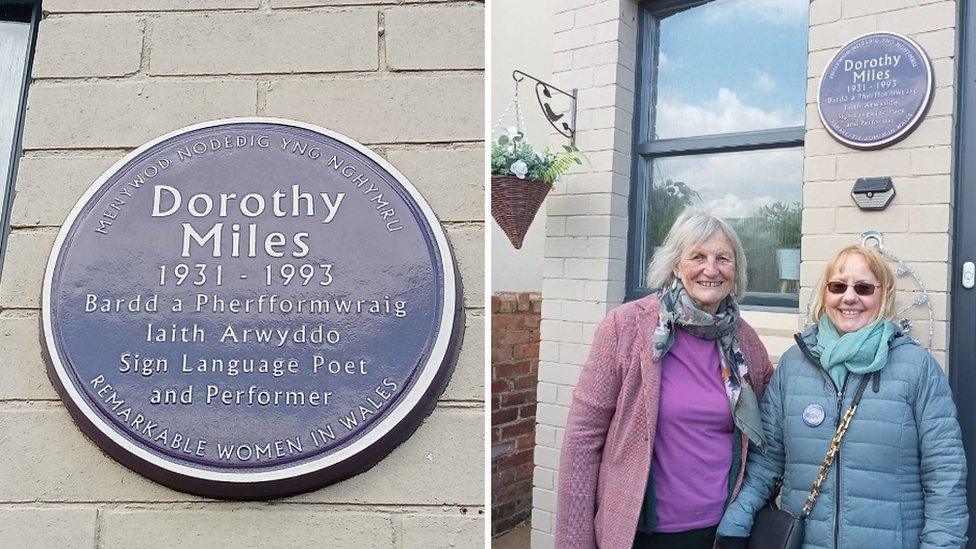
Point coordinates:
[[875, 90], [249, 308]]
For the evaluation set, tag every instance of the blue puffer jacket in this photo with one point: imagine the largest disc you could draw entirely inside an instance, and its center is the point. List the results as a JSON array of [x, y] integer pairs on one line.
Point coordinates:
[[899, 479]]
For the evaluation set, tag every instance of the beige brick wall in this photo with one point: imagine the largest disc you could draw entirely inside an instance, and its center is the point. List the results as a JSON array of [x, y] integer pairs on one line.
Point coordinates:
[[586, 225], [918, 223], [110, 75]]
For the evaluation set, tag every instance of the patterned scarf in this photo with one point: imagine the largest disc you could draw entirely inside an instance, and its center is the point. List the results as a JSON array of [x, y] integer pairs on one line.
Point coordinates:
[[679, 309]]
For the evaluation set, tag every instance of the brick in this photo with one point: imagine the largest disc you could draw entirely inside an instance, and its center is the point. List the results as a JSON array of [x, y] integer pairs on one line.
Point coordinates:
[[930, 219], [557, 330], [933, 160], [468, 244], [544, 500], [48, 436], [554, 415], [61, 6], [35, 204], [817, 168], [299, 526], [945, 71], [443, 531], [818, 221], [544, 478], [854, 220], [435, 38], [441, 463], [942, 101], [387, 109], [873, 163], [936, 16], [937, 44], [23, 269], [456, 189], [561, 374], [832, 35], [935, 276], [274, 42], [574, 38], [468, 380], [824, 11], [827, 194], [21, 362], [127, 114], [932, 131], [586, 225], [554, 288], [857, 8], [819, 142], [919, 247], [75, 46], [542, 540], [584, 311], [503, 417], [935, 189], [823, 247], [28, 528], [908, 292]]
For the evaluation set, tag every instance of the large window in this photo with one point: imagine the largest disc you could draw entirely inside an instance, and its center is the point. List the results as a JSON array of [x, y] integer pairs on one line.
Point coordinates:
[[721, 90], [18, 21]]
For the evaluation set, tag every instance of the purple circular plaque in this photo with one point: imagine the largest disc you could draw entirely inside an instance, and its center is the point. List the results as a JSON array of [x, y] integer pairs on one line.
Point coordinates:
[[250, 308], [875, 90]]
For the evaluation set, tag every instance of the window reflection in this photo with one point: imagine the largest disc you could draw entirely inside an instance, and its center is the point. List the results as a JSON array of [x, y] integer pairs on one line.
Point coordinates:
[[14, 37], [731, 66], [758, 192]]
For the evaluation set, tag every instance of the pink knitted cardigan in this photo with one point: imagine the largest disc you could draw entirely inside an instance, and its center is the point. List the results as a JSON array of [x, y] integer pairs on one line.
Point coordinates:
[[609, 435]]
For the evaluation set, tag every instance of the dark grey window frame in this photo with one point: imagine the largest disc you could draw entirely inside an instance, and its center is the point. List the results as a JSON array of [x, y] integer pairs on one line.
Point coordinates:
[[7, 198], [646, 148]]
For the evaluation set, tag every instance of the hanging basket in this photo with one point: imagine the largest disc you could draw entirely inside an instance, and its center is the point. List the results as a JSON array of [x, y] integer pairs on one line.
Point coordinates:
[[514, 203]]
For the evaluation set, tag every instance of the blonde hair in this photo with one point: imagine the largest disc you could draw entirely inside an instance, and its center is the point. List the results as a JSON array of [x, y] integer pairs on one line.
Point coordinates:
[[693, 227], [876, 264]]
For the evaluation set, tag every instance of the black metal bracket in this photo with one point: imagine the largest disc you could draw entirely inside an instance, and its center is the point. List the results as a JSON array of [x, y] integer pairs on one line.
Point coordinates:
[[543, 92]]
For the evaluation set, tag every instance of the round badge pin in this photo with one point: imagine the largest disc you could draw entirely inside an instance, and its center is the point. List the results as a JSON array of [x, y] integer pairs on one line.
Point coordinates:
[[813, 415]]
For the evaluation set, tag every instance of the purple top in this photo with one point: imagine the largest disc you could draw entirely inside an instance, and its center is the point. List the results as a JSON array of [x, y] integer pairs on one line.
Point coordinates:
[[692, 451]]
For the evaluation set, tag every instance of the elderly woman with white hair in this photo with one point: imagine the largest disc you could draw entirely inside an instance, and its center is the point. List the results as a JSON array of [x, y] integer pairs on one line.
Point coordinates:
[[666, 406]]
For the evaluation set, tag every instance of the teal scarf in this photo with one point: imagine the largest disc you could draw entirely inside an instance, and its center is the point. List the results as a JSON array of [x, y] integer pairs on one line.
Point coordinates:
[[862, 351]]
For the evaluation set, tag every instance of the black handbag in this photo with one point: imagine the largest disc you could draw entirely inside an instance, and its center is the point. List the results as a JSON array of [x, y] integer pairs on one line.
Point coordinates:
[[775, 528]]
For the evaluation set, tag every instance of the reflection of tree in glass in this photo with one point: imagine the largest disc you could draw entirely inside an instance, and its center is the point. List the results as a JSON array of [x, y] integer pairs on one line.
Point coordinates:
[[783, 221], [667, 201], [769, 228]]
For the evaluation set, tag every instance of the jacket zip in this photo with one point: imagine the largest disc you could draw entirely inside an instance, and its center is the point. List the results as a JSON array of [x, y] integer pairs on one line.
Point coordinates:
[[840, 403]]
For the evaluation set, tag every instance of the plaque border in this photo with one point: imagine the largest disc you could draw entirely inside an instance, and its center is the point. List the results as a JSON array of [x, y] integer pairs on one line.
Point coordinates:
[[354, 458], [915, 121]]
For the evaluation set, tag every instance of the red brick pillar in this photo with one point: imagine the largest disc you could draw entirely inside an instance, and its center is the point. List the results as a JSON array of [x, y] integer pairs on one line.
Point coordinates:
[[514, 374]]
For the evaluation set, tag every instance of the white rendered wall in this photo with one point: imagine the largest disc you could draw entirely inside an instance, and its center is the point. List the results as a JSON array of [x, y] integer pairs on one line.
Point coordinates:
[[521, 39]]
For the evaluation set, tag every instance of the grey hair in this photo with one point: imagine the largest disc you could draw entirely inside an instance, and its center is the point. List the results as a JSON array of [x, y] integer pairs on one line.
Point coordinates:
[[693, 227]]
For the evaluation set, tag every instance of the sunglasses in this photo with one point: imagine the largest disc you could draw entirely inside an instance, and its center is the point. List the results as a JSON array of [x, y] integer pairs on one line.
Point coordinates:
[[861, 288]]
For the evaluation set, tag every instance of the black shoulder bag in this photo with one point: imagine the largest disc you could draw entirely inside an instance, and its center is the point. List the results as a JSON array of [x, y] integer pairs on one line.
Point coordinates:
[[776, 528]]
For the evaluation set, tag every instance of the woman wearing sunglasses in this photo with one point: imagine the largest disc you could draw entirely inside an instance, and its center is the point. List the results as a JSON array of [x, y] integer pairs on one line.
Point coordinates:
[[899, 477], [667, 403]]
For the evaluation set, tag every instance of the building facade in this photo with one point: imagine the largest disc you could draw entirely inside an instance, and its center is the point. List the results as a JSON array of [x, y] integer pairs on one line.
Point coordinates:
[[745, 132], [405, 79]]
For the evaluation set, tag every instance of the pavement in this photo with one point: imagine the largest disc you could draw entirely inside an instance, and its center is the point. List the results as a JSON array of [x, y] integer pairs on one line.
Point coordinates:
[[516, 538]]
